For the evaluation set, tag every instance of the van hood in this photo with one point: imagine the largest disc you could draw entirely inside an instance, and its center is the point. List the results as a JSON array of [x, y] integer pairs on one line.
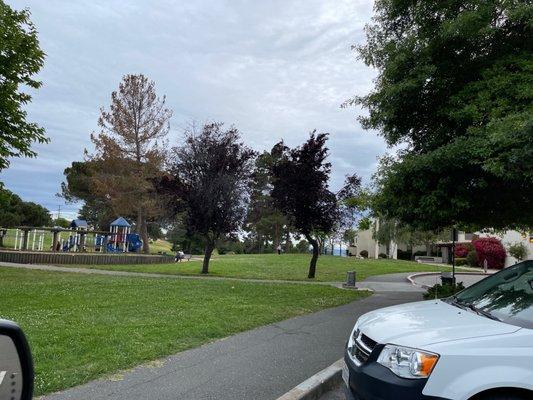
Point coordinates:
[[427, 322]]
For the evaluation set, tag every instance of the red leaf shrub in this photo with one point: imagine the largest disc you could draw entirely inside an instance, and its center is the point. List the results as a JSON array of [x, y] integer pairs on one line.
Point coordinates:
[[462, 250], [490, 249]]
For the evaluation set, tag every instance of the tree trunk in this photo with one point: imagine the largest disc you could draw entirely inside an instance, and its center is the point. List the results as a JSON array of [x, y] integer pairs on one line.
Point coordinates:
[[144, 237], [320, 243], [142, 230], [314, 258], [277, 240], [260, 243], [287, 241], [428, 249], [209, 247]]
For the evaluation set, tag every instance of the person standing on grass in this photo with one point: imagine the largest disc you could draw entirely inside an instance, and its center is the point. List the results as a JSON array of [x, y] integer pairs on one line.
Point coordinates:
[[279, 249]]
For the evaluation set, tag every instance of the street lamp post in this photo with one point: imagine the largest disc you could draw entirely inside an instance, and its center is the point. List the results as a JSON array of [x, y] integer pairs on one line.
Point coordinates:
[[454, 238]]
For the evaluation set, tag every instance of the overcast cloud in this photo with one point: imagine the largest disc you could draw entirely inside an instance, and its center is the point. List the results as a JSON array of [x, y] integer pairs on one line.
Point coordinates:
[[275, 69]]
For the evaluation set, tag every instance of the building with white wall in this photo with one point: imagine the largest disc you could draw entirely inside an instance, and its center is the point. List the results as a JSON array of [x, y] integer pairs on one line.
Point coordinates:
[[507, 238], [364, 240]]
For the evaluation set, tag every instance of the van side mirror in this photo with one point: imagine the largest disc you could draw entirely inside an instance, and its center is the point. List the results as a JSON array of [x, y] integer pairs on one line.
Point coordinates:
[[16, 365]]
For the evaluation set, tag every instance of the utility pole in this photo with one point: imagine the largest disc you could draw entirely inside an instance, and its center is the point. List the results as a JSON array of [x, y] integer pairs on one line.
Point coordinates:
[[58, 211]]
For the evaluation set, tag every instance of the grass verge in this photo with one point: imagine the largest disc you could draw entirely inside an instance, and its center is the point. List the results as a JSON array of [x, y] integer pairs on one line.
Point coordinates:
[[281, 267], [84, 327]]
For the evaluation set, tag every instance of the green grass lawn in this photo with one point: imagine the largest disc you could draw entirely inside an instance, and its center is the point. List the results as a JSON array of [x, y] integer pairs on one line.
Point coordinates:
[[285, 267], [161, 246], [83, 327]]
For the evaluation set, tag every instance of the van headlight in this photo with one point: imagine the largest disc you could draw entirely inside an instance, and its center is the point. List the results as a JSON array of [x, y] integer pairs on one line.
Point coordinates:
[[406, 362]]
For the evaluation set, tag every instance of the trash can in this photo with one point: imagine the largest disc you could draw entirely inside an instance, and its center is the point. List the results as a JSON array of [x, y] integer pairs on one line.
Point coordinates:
[[350, 278], [447, 278]]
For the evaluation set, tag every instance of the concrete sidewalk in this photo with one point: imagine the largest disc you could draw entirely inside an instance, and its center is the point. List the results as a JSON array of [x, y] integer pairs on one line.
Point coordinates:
[[263, 363], [390, 283]]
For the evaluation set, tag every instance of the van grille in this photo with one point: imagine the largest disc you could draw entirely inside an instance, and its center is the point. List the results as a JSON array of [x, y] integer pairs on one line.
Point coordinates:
[[368, 342], [362, 347]]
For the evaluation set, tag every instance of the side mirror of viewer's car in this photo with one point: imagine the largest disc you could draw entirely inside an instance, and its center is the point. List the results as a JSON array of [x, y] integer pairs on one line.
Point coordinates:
[[16, 365]]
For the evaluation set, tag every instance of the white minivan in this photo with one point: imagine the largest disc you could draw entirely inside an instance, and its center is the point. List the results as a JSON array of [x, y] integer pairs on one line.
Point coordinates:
[[476, 345]]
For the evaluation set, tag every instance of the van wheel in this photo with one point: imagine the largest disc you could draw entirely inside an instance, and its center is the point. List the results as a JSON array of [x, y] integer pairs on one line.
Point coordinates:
[[503, 397]]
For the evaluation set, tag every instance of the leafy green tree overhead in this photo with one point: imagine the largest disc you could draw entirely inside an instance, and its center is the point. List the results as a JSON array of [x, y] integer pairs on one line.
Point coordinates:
[[20, 59], [455, 89]]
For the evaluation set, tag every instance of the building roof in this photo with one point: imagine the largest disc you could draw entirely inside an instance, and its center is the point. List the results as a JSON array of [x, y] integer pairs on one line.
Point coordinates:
[[78, 223], [120, 222]]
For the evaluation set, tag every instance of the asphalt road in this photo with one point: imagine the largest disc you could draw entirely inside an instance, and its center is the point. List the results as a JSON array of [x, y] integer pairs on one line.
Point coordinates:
[[259, 364]]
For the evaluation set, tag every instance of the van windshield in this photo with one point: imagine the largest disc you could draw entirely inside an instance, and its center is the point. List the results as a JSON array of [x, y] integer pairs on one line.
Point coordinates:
[[506, 295]]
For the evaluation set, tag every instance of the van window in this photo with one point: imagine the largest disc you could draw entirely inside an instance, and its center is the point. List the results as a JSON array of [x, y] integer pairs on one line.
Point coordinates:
[[506, 295]]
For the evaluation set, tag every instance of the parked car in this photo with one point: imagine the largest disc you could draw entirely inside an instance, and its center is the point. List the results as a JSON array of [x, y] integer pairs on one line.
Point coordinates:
[[476, 345]]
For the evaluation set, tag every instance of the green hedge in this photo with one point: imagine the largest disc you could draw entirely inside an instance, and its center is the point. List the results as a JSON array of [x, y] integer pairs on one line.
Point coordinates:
[[461, 261], [471, 259], [440, 291]]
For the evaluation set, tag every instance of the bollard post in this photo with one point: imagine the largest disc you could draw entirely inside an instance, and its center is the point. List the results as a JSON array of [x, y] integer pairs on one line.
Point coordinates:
[[447, 278], [350, 279]]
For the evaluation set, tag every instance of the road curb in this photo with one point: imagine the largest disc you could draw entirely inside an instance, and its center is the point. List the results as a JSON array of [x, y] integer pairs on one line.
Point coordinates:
[[411, 278], [318, 384]]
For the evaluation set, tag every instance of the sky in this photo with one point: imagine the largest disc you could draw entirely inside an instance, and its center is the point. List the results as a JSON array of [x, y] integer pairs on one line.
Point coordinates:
[[275, 69]]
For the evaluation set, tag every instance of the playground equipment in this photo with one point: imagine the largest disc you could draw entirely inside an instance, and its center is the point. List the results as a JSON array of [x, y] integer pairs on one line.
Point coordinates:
[[24, 236], [122, 240], [76, 244], [133, 243], [77, 238], [120, 228], [119, 239]]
